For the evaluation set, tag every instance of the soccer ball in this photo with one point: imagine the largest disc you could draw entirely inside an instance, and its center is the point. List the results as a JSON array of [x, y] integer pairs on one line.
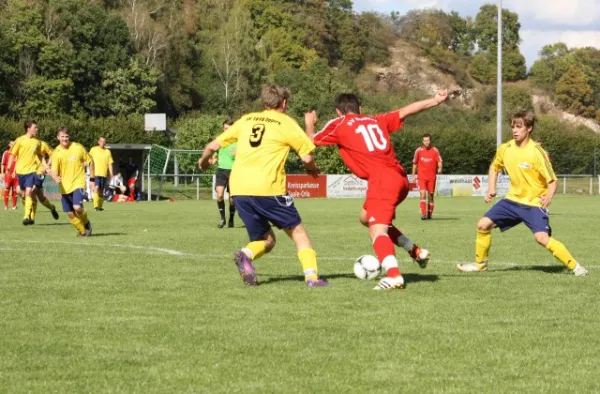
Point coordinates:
[[367, 267]]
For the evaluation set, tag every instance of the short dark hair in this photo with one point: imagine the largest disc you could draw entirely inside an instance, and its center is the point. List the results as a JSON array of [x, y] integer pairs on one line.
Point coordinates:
[[274, 95], [228, 122], [347, 103], [62, 129], [528, 118], [29, 123], [427, 135]]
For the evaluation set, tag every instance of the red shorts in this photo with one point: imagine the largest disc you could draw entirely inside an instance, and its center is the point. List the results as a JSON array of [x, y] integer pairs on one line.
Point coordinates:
[[10, 182], [131, 183], [385, 192], [426, 185]]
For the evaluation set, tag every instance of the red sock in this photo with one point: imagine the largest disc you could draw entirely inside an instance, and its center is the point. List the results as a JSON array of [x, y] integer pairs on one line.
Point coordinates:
[[430, 209], [384, 247], [423, 206], [14, 196], [5, 195]]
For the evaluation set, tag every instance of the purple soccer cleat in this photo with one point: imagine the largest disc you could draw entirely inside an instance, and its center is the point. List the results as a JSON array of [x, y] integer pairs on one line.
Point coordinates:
[[246, 269], [317, 283]]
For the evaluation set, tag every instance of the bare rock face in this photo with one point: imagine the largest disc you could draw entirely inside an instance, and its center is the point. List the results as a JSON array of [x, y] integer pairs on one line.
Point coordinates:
[[545, 105]]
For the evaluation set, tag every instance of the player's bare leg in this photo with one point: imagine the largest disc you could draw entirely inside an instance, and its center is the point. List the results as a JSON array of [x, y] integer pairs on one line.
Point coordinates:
[[423, 204], [306, 255], [419, 255], [482, 247], [430, 205], [560, 252], [80, 221], [39, 193], [221, 204]]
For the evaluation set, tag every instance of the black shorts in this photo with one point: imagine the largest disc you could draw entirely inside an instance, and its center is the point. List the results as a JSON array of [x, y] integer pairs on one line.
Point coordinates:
[[222, 178]]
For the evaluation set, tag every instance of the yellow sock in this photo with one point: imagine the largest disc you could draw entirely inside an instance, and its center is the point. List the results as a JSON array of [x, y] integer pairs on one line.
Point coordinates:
[[482, 246], [48, 205], [255, 249], [33, 210], [76, 222], [561, 253], [308, 259], [100, 201], [28, 207], [83, 216], [96, 199]]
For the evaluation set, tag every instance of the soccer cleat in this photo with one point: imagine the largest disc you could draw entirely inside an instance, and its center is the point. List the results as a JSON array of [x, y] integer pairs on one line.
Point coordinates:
[[14, 208], [423, 217], [388, 283], [230, 224], [99, 209], [28, 222], [472, 267], [316, 283], [580, 271], [428, 217], [221, 223], [246, 269], [88, 229], [420, 256], [54, 214]]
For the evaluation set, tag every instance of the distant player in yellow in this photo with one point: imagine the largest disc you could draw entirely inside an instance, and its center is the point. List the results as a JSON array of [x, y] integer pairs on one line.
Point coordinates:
[[258, 181], [27, 151], [103, 166], [68, 170], [38, 187], [532, 186]]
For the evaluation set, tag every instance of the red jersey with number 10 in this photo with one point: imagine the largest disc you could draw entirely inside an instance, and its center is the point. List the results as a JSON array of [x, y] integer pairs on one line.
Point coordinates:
[[364, 142], [427, 161]]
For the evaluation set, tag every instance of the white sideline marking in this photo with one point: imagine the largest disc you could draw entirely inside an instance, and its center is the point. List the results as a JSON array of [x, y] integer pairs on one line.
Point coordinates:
[[171, 252]]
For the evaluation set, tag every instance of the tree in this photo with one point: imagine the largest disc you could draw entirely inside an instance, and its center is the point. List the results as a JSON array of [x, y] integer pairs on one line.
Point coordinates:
[[574, 93], [130, 90], [485, 28]]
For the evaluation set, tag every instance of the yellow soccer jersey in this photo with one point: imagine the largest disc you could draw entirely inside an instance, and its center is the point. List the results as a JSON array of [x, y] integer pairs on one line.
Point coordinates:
[[529, 170], [69, 163], [264, 141], [47, 153], [27, 152], [102, 159]]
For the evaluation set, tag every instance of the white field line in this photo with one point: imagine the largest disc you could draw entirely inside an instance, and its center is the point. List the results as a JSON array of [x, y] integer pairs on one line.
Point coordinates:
[[149, 250]]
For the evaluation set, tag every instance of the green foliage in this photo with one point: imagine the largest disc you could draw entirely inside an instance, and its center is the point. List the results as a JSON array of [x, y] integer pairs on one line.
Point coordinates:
[[574, 93], [130, 90], [514, 98], [485, 29]]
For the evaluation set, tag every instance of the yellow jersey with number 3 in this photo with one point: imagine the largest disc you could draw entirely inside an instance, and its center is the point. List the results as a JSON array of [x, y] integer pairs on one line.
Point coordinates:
[[102, 159], [27, 151], [529, 171], [264, 140], [69, 163]]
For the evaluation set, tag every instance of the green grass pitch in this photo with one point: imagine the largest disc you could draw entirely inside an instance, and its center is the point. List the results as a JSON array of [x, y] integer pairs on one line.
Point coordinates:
[[152, 303]]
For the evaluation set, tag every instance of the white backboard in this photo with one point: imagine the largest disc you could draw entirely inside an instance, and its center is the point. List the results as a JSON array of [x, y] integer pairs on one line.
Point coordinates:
[[154, 122]]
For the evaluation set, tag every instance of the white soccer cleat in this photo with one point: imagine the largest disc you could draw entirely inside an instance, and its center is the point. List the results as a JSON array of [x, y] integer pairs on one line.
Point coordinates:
[[388, 283], [472, 267], [580, 271], [420, 256]]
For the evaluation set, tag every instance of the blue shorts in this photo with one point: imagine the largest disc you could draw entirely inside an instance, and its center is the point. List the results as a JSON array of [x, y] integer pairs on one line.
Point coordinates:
[[26, 181], [39, 180], [259, 212], [100, 182], [506, 214], [72, 199]]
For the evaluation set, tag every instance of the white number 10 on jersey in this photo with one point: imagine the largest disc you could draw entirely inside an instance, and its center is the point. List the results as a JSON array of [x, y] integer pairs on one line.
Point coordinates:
[[373, 136]]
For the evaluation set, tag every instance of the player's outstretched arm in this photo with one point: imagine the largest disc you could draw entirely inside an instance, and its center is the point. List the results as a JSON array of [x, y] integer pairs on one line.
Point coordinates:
[[209, 150], [492, 180], [310, 121], [415, 108]]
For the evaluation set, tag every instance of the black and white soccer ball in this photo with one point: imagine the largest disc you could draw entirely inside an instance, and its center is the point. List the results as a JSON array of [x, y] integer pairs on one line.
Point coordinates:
[[367, 267]]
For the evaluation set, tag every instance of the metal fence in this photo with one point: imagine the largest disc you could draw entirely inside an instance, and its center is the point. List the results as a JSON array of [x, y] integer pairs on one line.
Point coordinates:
[[578, 184]]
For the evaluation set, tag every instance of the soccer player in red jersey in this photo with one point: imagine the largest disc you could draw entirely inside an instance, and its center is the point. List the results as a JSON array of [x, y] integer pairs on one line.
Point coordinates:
[[10, 177], [366, 148], [427, 163]]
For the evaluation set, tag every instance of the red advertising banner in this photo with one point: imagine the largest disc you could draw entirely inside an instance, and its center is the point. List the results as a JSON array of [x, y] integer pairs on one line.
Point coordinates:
[[305, 186]]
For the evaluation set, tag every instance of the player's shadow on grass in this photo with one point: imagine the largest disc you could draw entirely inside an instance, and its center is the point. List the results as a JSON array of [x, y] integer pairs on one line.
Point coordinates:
[[549, 269], [435, 219], [53, 224], [409, 278], [415, 278], [94, 235]]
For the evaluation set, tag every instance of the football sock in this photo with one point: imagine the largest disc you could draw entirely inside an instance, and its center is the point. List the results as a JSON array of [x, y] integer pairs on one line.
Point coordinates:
[[482, 246], [255, 249], [430, 211], [231, 212], [76, 222], [384, 249], [45, 202], [5, 195], [14, 198], [423, 206], [400, 239], [28, 207], [83, 216], [33, 210], [221, 205], [308, 259], [96, 199], [561, 253], [100, 201]]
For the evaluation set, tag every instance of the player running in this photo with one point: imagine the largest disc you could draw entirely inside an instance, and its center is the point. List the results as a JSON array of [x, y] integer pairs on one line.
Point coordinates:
[[103, 166], [427, 163], [366, 148], [38, 186], [11, 183], [532, 186], [68, 170], [27, 152], [258, 182], [224, 160]]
